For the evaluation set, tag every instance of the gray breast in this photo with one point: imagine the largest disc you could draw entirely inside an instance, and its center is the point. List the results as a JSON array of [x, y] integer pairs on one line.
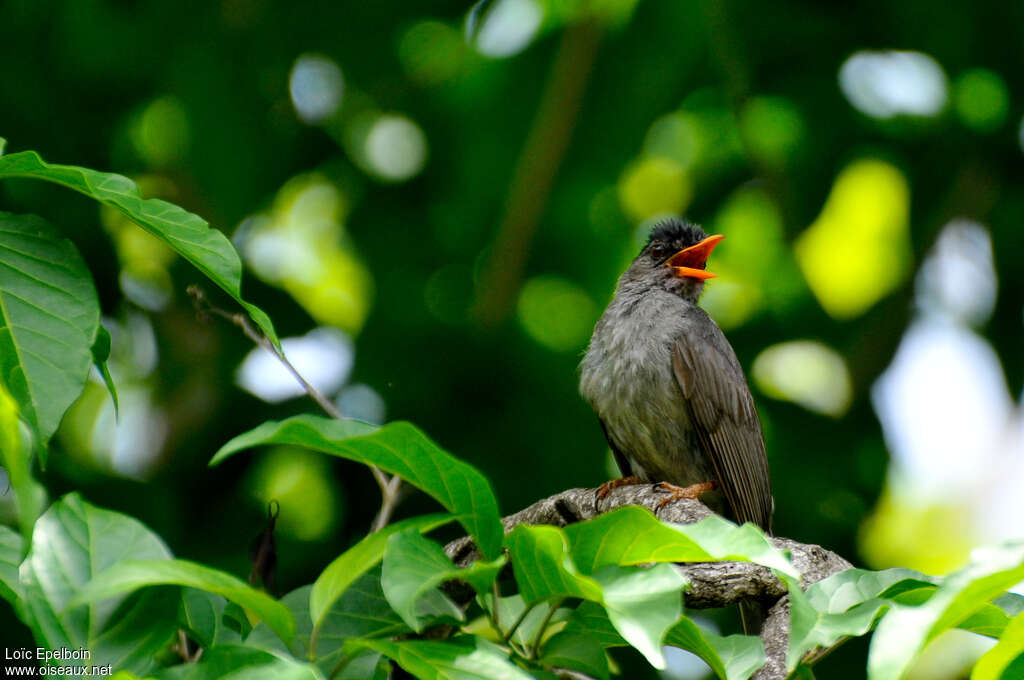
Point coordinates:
[[628, 379]]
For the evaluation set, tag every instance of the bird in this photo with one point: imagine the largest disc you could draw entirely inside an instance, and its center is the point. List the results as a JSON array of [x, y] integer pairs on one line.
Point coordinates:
[[668, 390]]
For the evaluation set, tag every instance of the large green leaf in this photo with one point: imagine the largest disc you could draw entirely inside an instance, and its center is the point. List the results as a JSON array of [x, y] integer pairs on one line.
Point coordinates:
[[237, 662], [735, 657], [188, 234], [202, 616], [905, 630], [49, 316], [128, 575], [1010, 646], [12, 546], [17, 462], [415, 566], [642, 602], [72, 542], [399, 448], [632, 535], [576, 652], [361, 612], [357, 560], [590, 619], [851, 602], [463, 658]]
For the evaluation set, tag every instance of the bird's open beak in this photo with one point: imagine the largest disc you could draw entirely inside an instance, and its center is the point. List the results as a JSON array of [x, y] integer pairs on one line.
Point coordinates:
[[690, 262]]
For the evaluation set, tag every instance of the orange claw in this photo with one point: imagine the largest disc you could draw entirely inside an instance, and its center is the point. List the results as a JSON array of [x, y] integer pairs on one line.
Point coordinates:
[[692, 492], [606, 488]]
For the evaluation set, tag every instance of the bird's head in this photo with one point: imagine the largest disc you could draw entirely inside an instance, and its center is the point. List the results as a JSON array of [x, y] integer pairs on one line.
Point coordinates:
[[674, 259]]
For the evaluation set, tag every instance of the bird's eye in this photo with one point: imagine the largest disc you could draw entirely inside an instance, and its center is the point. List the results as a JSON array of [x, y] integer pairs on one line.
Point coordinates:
[[659, 252]]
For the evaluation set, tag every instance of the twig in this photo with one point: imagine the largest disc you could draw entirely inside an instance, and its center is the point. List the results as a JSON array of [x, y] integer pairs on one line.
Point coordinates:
[[389, 486]]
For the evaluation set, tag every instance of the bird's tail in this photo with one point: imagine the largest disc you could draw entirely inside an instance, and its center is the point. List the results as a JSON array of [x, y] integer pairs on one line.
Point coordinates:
[[752, 616]]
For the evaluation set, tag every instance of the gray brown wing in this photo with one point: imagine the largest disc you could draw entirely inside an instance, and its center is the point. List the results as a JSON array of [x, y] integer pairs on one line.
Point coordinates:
[[625, 469], [722, 411]]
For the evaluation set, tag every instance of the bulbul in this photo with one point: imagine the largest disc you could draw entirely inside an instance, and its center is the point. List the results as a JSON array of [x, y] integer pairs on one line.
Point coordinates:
[[668, 389]]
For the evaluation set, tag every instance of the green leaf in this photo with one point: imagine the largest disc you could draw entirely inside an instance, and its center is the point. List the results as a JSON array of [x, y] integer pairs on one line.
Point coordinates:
[[358, 559], [398, 448], [575, 652], [989, 620], [361, 611], [906, 630], [462, 658], [128, 575], [837, 593], [996, 660], [641, 602], [208, 249], [100, 354], [12, 546], [632, 535], [735, 657], [17, 462], [49, 316], [847, 604], [202, 615], [543, 567], [512, 607], [237, 662], [591, 620], [810, 627], [414, 567], [72, 542]]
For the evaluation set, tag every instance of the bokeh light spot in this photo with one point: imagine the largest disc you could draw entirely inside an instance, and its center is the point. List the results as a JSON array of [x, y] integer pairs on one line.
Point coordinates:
[[324, 357], [160, 135], [891, 83], [807, 373], [772, 129], [300, 481], [672, 136], [654, 186], [981, 100], [431, 52], [362, 402], [755, 266], [506, 28], [301, 247], [958, 278], [316, 87], [448, 292], [858, 249], [556, 313], [395, 148]]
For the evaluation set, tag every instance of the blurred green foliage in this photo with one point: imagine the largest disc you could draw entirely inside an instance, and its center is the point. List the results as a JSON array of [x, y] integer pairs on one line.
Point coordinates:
[[463, 206]]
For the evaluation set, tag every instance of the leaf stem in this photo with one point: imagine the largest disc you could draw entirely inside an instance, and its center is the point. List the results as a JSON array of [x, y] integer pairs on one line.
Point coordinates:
[[519, 620], [495, 617], [543, 626]]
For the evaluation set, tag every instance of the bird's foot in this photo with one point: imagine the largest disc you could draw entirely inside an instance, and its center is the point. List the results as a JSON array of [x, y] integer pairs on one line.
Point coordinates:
[[606, 488], [692, 492]]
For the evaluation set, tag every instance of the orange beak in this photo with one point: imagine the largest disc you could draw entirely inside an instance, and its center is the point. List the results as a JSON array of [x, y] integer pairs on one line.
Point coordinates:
[[690, 262]]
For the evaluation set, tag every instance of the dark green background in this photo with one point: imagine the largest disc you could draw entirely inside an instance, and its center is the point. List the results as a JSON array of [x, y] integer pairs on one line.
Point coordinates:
[[76, 74]]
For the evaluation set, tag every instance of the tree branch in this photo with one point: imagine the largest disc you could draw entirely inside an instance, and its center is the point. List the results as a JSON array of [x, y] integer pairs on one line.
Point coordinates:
[[712, 584]]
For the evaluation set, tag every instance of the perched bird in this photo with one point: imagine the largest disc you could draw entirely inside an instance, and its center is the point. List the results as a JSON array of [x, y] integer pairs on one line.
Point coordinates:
[[668, 389]]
